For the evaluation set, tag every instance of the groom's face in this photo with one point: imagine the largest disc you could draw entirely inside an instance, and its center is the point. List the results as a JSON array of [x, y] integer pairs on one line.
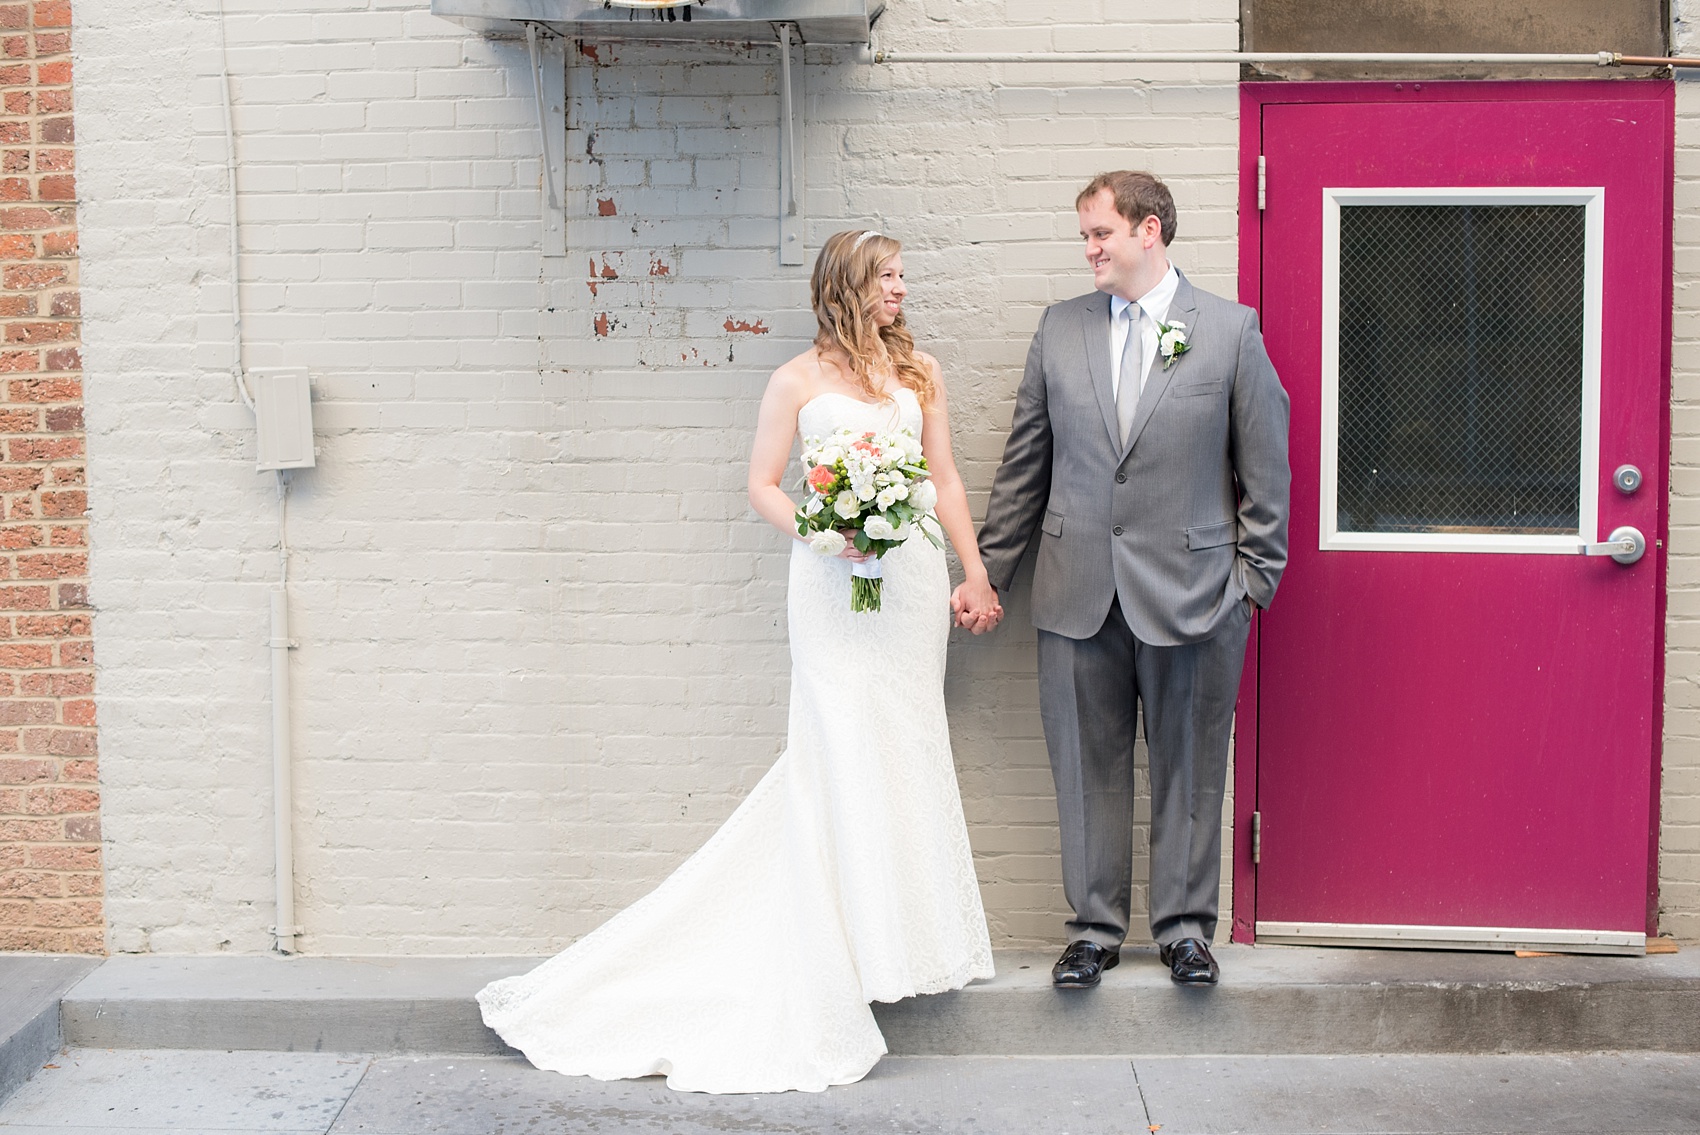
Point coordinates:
[[1127, 260]]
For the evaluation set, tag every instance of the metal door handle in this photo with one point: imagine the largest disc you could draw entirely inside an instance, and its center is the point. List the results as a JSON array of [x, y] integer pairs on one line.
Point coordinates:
[[1625, 545]]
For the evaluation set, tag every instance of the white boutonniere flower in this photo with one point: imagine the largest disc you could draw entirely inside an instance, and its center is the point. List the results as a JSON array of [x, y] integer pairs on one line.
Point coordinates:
[[1171, 342]]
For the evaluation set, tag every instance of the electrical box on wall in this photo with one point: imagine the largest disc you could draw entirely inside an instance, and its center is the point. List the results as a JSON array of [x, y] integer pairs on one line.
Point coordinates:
[[283, 415]]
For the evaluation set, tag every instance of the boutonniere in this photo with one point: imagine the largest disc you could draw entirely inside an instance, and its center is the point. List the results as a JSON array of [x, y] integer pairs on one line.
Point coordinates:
[[1171, 342]]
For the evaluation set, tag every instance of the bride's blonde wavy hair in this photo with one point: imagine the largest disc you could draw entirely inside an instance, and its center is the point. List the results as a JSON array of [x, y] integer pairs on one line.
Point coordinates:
[[845, 291]]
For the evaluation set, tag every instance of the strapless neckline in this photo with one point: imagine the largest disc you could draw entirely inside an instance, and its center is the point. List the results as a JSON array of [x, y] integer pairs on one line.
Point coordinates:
[[853, 398]]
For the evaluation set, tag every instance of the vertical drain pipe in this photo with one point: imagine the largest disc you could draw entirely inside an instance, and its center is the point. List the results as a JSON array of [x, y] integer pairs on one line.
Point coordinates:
[[283, 791]]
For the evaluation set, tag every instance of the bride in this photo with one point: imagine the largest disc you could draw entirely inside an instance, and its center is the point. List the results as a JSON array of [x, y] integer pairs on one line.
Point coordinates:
[[845, 877]]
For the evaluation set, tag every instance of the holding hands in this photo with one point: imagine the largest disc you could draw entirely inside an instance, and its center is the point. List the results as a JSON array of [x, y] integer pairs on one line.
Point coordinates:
[[974, 605]]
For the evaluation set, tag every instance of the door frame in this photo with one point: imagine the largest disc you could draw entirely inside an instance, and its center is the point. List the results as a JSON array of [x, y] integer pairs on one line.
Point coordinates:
[[1253, 98]]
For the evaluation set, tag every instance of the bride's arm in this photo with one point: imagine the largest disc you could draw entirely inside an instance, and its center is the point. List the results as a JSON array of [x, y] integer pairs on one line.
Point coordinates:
[[975, 597], [776, 429]]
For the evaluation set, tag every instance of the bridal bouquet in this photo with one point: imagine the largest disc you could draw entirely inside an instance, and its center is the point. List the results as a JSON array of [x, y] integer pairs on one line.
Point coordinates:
[[870, 490]]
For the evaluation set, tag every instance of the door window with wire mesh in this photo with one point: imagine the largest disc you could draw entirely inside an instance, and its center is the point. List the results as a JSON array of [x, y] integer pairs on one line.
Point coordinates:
[[1463, 371]]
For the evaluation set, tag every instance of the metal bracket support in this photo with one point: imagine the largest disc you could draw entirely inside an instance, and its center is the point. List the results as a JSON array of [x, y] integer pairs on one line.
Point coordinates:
[[790, 157], [549, 89]]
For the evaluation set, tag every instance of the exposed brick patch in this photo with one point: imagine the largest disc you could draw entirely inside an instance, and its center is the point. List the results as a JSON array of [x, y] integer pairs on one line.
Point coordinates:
[[50, 863]]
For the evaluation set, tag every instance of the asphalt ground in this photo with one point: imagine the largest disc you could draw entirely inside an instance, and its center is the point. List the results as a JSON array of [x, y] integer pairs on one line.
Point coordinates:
[[199, 1092]]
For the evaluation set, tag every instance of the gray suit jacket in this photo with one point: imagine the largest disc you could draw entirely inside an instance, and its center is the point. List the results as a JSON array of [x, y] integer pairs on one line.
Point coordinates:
[[1182, 522]]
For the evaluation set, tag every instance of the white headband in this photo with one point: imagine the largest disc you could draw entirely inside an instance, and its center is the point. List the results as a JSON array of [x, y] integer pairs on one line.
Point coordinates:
[[871, 233]]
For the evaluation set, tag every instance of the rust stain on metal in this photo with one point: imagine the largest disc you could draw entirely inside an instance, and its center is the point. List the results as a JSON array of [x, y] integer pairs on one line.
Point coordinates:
[[605, 206], [756, 328], [657, 268]]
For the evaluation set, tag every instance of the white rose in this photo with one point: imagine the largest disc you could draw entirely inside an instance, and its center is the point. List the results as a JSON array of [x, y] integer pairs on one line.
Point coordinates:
[[886, 498], [1171, 340], [878, 528], [828, 543], [847, 505], [923, 496], [902, 531], [864, 490]]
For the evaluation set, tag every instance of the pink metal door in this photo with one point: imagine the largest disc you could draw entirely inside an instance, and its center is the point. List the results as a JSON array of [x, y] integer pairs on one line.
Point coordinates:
[[1450, 726]]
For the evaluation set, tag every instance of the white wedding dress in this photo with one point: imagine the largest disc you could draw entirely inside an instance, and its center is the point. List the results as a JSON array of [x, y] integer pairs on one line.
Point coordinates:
[[844, 878]]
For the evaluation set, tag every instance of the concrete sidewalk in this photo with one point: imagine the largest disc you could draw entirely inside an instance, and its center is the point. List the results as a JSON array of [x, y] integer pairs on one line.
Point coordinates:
[[91, 1092], [30, 990], [1272, 1000], [1294, 1040]]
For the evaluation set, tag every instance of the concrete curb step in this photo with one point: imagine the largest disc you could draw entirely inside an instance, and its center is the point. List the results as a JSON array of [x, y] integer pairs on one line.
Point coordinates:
[[1272, 1000], [30, 989]]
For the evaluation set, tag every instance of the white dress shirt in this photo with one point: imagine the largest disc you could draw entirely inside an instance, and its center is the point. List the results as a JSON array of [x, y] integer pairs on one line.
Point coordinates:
[[1156, 305]]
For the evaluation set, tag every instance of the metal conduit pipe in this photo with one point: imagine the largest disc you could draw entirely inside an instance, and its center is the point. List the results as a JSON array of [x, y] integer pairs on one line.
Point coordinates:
[[1527, 59], [285, 931]]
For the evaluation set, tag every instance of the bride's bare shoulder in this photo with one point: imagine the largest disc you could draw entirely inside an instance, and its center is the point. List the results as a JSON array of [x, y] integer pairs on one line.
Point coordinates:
[[797, 379]]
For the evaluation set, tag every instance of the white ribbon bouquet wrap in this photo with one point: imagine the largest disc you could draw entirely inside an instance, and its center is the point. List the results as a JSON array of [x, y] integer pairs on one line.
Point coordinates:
[[870, 490]]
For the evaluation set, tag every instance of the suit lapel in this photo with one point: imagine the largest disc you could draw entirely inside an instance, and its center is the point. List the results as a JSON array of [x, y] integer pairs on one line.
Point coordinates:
[[1095, 326], [1183, 308]]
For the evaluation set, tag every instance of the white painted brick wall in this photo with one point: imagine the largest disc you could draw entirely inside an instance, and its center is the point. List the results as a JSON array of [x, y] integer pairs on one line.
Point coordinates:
[[1679, 813], [542, 635]]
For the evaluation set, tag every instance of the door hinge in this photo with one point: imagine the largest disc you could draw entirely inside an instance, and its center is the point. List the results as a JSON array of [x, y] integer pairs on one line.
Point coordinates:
[[1262, 183], [1257, 837]]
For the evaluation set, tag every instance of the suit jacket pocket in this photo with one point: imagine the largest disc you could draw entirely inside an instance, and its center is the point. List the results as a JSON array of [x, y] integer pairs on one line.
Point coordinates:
[[1194, 389], [1052, 525], [1212, 535]]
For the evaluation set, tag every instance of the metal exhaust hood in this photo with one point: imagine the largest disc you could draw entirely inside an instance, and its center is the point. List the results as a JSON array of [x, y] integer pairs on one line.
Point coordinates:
[[816, 21]]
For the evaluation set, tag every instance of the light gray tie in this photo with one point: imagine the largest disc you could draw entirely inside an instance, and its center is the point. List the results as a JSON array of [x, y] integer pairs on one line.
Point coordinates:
[[1133, 354]]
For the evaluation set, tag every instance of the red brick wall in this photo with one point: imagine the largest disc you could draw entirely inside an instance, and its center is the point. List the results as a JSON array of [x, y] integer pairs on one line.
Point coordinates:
[[50, 874]]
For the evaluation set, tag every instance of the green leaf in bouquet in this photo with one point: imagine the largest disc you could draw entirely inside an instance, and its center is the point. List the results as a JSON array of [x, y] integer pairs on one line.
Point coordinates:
[[928, 533]]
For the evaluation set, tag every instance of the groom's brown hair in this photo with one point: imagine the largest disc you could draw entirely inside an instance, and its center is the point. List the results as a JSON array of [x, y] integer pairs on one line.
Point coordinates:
[[1138, 195]]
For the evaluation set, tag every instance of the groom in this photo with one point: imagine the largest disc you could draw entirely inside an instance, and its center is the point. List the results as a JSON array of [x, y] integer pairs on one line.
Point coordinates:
[[1149, 450]]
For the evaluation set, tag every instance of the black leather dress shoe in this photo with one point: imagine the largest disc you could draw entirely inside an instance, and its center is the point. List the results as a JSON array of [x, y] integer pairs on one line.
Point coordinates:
[[1082, 964], [1189, 962]]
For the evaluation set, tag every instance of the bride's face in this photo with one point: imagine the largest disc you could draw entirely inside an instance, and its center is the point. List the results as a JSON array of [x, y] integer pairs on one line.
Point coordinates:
[[892, 292]]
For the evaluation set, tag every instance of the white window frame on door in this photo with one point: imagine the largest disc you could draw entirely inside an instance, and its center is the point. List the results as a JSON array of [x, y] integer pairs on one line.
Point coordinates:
[[1332, 539]]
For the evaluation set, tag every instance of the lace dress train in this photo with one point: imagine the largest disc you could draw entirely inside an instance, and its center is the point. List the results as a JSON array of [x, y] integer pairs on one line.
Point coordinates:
[[845, 876]]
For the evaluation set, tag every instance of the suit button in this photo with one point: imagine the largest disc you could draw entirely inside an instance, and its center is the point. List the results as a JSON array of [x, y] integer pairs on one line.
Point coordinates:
[[1117, 530], [1121, 478]]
